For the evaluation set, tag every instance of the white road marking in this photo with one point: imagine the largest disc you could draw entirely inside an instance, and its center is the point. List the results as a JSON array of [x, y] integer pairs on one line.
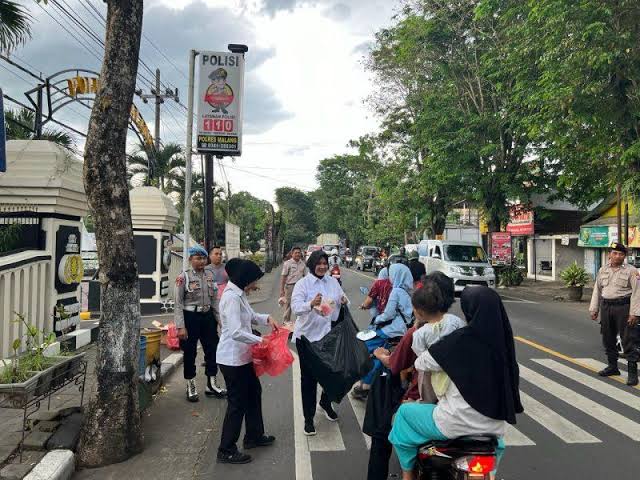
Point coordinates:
[[329, 437], [511, 299], [582, 403], [359, 408], [556, 424], [622, 396], [515, 438], [593, 363], [303, 455]]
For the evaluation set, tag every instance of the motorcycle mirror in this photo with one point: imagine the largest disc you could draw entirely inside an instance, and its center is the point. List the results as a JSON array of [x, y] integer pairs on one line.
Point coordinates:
[[364, 290]]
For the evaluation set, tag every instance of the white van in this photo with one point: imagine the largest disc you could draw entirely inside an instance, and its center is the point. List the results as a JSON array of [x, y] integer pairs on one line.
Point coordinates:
[[464, 262]]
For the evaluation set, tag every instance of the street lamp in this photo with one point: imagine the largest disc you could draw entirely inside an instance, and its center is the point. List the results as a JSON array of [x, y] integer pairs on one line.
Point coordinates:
[[238, 48]]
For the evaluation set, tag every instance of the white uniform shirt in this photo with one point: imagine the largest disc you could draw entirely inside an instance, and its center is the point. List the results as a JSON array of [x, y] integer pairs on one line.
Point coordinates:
[[309, 322], [236, 318], [453, 416]]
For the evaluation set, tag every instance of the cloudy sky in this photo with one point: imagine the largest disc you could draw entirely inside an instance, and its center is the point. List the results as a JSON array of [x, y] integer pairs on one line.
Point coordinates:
[[304, 87]]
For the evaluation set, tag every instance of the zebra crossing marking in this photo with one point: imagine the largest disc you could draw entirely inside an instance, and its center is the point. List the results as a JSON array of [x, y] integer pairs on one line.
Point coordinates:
[[599, 412], [627, 398], [359, 408], [598, 365], [515, 438], [554, 422], [302, 453]]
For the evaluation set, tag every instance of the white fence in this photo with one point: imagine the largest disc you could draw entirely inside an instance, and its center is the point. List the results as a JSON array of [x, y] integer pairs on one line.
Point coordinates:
[[24, 287]]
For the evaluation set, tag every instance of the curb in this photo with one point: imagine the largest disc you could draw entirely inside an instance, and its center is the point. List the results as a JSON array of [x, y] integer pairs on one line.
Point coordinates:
[[61, 464], [55, 465]]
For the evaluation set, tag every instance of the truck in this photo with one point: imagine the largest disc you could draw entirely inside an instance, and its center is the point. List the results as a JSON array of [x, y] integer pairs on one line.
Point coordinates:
[[331, 240]]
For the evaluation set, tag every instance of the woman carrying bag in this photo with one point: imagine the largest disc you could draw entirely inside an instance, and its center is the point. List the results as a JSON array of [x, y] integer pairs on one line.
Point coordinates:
[[244, 401]]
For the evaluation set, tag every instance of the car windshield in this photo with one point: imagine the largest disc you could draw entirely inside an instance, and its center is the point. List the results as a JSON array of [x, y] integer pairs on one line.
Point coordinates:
[[369, 251], [465, 253]]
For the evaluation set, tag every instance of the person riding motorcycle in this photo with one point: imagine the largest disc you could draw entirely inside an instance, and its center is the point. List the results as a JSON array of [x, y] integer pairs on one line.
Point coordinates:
[[467, 406], [334, 258]]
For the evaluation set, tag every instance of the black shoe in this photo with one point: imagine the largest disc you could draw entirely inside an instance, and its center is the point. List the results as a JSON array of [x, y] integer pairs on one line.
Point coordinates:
[[609, 371], [329, 412], [236, 458], [264, 441], [360, 393], [632, 381], [309, 429]]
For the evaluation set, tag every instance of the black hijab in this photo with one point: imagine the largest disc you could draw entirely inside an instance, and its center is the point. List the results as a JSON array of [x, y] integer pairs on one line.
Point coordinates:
[[314, 260], [480, 358], [243, 272]]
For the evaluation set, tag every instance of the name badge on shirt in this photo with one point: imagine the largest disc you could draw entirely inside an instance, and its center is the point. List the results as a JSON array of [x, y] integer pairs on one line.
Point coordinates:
[[194, 285]]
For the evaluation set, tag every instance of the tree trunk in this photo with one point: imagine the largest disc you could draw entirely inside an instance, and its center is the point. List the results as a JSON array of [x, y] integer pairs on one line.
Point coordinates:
[[111, 432]]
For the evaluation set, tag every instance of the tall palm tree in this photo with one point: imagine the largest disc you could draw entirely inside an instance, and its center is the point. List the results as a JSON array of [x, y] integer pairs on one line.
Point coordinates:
[[156, 166], [15, 26], [21, 125]]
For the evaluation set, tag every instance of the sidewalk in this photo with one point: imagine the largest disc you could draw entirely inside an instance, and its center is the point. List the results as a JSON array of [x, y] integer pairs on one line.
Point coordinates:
[[64, 414], [56, 427], [546, 291]]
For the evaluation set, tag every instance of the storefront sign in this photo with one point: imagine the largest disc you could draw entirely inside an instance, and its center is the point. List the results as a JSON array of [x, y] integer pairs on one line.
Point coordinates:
[[501, 248], [520, 221], [232, 240], [220, 90], [594, 237]]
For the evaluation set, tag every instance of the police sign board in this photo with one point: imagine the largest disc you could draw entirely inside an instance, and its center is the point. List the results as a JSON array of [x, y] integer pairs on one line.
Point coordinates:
[[220, 89]]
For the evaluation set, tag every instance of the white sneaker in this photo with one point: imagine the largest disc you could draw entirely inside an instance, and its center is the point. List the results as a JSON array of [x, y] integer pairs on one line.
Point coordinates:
[[147, 374]]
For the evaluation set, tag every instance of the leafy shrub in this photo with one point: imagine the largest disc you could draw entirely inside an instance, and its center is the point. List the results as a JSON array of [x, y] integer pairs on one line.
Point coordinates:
[[510, 276], [575, 276]]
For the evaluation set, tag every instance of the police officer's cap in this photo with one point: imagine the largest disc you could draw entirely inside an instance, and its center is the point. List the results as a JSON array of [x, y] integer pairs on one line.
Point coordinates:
[[197, 250], [218, 73], [618, 247]]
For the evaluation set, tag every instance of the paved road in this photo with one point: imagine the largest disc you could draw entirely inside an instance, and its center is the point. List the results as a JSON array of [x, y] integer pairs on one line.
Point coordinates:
[[576, 426]]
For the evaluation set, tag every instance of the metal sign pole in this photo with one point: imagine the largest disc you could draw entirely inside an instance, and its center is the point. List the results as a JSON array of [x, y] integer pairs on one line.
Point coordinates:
[[3, 137], [187, 173]]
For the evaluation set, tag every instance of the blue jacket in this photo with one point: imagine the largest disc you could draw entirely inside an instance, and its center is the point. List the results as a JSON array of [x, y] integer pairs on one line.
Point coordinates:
[[399, 300]]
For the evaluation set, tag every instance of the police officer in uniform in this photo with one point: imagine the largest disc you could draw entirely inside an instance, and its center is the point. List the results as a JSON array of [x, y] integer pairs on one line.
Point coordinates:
[[196, 308], [617, 299]]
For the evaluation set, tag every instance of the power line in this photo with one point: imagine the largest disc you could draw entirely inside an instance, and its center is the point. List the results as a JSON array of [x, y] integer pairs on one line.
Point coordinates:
[[284, 182]]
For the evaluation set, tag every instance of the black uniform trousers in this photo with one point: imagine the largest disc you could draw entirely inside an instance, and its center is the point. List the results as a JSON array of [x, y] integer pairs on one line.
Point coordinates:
[[203, 327], [613, 322], [244, 402], [309, 389]]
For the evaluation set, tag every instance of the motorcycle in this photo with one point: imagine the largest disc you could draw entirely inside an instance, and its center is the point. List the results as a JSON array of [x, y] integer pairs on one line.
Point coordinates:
[[378, 264], [348, 260], [465, 458], [335, 273]]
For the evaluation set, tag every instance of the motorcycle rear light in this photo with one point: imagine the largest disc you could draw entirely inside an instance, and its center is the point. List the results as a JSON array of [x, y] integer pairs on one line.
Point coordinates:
[[479, 465]]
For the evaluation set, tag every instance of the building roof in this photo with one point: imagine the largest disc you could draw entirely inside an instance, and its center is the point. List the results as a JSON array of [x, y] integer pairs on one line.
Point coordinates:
[[151, 209]]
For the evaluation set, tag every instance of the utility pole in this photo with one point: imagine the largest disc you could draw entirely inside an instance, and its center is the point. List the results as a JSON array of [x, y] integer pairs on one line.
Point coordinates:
[[209, 217], [159, 98], [228, 201]]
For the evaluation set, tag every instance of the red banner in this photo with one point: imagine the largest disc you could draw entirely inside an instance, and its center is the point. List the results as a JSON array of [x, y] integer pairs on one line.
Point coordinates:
[[501, 248], [521, 221]]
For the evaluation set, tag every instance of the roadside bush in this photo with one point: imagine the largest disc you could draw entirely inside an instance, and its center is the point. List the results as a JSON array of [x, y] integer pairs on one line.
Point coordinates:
[[510, 276]]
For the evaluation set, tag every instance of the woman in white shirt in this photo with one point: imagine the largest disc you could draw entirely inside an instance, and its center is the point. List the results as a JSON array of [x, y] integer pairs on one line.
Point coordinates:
[[483, 394], [244, 401], [308, 295]]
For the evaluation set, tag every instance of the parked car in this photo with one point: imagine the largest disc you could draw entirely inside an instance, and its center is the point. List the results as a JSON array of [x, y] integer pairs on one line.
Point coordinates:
[[366, 256], [465, 262]]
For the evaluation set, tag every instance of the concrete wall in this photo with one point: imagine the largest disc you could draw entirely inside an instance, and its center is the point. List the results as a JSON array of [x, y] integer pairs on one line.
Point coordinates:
[[567, 254]]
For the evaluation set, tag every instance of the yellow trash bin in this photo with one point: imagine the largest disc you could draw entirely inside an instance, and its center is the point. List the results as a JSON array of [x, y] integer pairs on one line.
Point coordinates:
[[153, 336]]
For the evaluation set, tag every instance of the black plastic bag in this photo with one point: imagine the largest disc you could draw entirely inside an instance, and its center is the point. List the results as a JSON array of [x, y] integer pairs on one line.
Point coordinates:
[[385, 397], [339, 359]]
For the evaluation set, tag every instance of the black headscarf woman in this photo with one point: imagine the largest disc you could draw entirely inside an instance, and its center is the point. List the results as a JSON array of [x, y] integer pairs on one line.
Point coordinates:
[[480, 358], [314, 260], [242, 273]]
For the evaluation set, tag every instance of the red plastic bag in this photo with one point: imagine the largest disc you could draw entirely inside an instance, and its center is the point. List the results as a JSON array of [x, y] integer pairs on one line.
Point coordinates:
[[173, 342], [272, 357]]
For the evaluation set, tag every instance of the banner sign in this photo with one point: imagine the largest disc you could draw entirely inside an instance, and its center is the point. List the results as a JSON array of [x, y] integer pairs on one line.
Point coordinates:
[[220, 91], [520, 221], [3, 137], [501, 248], [232, 240], [594, 237]]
